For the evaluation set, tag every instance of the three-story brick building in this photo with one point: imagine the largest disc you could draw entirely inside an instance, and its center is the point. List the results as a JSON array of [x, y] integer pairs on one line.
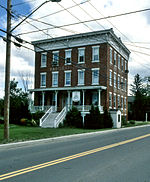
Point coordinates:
[[81, 70]]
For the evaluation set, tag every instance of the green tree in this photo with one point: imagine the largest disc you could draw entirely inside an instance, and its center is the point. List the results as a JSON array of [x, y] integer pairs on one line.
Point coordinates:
[[73, 118], [18, 103], [107, 119], [94, 120]]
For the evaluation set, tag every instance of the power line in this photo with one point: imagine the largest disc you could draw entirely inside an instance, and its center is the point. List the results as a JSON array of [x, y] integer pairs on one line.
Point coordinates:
[[86, 21]]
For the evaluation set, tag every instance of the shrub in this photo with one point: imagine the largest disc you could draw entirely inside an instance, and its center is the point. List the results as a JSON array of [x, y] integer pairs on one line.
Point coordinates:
[[36, 117], [73, 118], [94, 120], [123, 121], [132, 122]]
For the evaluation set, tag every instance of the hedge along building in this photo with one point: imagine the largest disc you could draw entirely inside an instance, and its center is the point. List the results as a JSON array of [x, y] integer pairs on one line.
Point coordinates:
[[80, 70]]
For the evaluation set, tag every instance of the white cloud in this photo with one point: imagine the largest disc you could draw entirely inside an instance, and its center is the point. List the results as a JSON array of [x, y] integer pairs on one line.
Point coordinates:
[[133, 28]]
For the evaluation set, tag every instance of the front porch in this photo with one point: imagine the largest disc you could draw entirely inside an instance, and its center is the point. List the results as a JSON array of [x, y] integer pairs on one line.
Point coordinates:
[[58, 99]]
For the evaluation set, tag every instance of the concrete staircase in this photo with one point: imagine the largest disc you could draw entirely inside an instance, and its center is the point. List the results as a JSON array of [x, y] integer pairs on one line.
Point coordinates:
[[52, 119], [50, 122]]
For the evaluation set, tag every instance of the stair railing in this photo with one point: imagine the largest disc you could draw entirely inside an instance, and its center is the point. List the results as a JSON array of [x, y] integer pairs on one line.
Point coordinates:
[[46, 115], [61, 116]]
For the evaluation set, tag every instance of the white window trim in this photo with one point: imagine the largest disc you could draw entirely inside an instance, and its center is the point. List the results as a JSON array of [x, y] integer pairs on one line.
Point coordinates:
[[54, 72], [43, 73], [83, 70], [81, 48], [94, 61], [111, 50], [44, 53], [110, 80], [115, 80], [68, 71], [68, 50], [95, 69]]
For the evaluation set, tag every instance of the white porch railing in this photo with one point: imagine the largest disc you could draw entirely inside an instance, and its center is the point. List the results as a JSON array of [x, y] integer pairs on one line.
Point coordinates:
[[87, 108], [46, 115], [61, 116]]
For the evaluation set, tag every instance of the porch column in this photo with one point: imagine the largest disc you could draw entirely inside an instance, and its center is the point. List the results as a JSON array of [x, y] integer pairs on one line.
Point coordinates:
[[83, 100], [56, 93], [68, 100], [43, 100], [99, 99], [30, 101]]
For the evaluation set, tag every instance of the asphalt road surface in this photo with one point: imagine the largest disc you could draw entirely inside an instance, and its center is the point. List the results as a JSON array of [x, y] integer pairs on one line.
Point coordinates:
[[114, 156]]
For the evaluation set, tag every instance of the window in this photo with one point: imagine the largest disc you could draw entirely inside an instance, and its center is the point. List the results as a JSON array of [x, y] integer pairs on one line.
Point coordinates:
[[95, 76], [115, 80], [110, 55], [122, 102], [122, 83], [118, 81], [55, 79], [110, 78], [67, 78], [43, 59], [115, 58], [125, 85], [114, 100], [118, 61], [125, 103], [125, 65], [118, 101], [81, 77], [95, 54], [122, 64], [68, 57], [55, 57], [81, 55], [110, 100], [43, 79]]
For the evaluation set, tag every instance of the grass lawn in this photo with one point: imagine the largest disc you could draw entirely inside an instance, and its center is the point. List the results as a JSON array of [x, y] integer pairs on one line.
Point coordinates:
[[23, 133]]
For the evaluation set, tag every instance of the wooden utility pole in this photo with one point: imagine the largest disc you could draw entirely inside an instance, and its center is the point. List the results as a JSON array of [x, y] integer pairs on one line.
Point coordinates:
[[7, 73]]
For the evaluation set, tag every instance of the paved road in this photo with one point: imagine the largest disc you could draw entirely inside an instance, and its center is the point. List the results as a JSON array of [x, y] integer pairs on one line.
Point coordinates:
[[81, 159]]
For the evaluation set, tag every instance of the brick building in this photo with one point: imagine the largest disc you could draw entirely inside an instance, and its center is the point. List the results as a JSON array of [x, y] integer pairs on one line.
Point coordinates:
[[81, 70]]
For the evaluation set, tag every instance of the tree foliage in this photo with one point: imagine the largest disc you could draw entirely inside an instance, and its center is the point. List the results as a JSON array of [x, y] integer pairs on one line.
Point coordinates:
[[73, 118], [18, 103]]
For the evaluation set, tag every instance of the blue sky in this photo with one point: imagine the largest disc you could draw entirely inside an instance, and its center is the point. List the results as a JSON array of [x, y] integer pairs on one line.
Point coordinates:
[[18, 7]]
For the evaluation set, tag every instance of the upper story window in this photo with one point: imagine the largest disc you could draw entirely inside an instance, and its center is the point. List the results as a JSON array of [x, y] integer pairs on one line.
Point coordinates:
[[81, 55], [122, 62], [125, 103], [111, 55], [122, 83], [122, 102], [55, 57], [118, 61], [68, 78], [95, 76], [43, 59], [115, 58], [43, 80], [55, 79], [118, 81], [95, 54], [67, 56], [115, 80], [125, 85], [125, 65], [81, 77], [110, 78]]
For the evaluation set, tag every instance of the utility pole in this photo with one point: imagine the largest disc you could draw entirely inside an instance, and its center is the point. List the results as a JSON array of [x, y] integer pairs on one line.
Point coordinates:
[[7, 73]]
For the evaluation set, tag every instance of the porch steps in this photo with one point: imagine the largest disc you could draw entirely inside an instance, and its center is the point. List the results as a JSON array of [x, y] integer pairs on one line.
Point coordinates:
[[49, 123]]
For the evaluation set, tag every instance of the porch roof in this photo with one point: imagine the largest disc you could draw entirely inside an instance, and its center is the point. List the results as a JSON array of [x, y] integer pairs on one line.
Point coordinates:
[[68, 88]]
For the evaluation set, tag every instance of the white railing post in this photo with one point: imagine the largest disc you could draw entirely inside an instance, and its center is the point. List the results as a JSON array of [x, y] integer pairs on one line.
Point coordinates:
[[60, 117]]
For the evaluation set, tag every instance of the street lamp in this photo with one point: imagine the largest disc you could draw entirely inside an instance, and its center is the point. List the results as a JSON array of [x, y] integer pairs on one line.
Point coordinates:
[[7, 67]]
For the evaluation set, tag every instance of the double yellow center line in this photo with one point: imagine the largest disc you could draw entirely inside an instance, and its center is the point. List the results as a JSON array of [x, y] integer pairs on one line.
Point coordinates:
[[51, 163]]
